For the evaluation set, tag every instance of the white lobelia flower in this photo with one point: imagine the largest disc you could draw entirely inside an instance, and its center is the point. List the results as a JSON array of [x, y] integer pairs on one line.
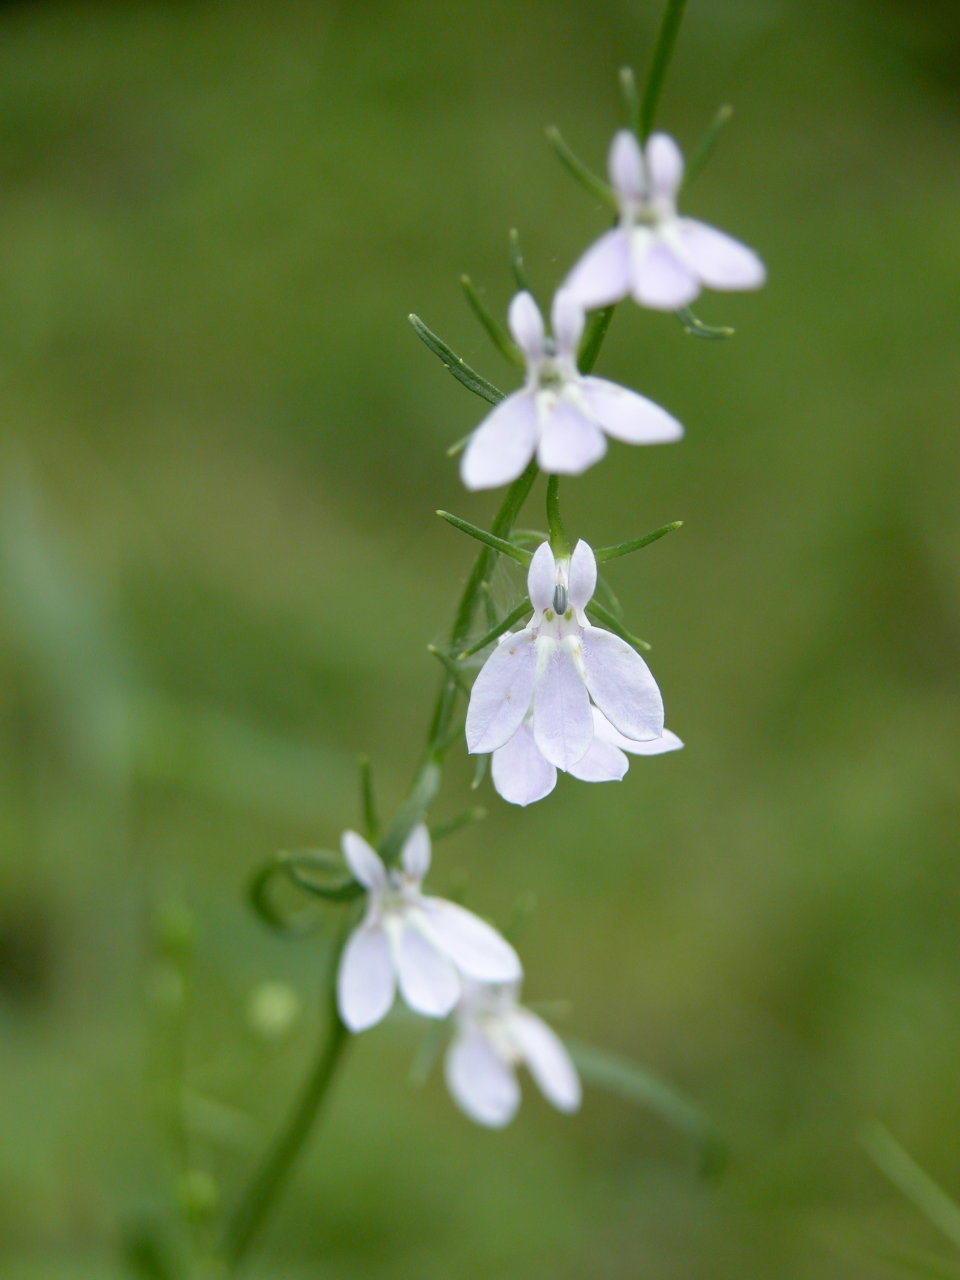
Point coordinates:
[[659, 258], [427, 945], [522, 774], [495, 1035], [552, 669], [560, 415]]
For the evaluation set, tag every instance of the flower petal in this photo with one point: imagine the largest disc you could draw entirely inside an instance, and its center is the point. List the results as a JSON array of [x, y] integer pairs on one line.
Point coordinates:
[[605, 731], [520, 773], [621, 685], [503, 443], [659, 278], [567, 321], [625, 166], [582, 580], [547, 1060], [428, 979], [627, 416], [481, 1083], [720, 261], [526, 325], [501, 693], [416, 852], [603, 762], [602, 274], [664, 164], [562, 724], [542, 577], [474, 946], [365, 981], [569, 441], [364, 863]]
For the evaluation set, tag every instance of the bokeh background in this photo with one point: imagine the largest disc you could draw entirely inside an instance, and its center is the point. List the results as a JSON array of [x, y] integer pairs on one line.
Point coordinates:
[[219, 569]]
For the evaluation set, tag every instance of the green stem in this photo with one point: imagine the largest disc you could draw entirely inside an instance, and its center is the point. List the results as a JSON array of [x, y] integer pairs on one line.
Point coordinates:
[[662, 53], [273, 1173], [558, 535]]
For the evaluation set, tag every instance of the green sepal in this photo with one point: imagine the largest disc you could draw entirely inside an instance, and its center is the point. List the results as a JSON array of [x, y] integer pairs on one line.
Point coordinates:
[[452, 668], [479, 772], [578, 170], [630, 98], [517, 264], [458, 821], [594, 333], [613, 624], [368, 804], [635, 1084], [422, 795], [497, 631], [704, 148], [696, 328], [455, 364], [497, 332], [504, 547], [634, 544]]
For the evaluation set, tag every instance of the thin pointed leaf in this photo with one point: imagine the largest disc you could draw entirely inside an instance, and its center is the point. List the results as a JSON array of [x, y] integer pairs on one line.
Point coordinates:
[[593, 336], [489, 608], [458, 446], [630, 98], [368, 804], [915, 1183], [291, 923], [452, 668], [517, 265], [696, 328], [501, 545], [496, 331], [320, 872], [621, 1076], [450, 825], [704, 148], [662, 53], [468, 377], [578, 170], [613, 624], [421, 796], [496, 632], [634, 544]]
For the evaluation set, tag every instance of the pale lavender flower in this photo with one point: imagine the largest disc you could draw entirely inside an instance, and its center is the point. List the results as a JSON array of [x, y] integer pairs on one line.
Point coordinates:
[[560, 415], [656, 256], [426, 945], [552, 669], [522, 775], [495, 1035]]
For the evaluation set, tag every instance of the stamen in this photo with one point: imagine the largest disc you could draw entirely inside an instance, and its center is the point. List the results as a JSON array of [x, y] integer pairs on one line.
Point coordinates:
[[560, 599]]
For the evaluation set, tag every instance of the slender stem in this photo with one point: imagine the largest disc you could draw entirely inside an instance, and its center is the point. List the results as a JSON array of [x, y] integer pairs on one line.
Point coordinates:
[[558, 535], [272, 1174], [662, 53]]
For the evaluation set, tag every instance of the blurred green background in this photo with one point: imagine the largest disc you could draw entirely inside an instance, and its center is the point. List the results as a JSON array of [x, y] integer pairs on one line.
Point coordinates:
[[219, 569]]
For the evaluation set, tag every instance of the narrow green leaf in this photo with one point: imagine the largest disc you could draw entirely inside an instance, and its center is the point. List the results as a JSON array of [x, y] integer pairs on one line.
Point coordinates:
[[458, 446], [915, 1183], [497, 332], [505, 548], [634, 544], [259, 890], [422, 795], [368, 804], [497, 631], [594, 334], [517, 265], [466, 376], [697, 329], [634, 1084], [574, 166], [657, 74], [320, 872], [704, 148], [630, 98], [489, 607], [452, 668], [460, 820], [597, 611]]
